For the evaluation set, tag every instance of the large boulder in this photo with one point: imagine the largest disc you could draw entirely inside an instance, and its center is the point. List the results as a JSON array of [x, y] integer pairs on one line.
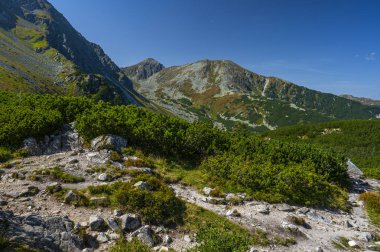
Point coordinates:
[[97, 223], [108, 142], [130, 222]]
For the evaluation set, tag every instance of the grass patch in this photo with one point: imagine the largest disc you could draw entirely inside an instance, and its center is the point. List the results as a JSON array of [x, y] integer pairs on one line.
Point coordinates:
[[134, 245], [372, 205], [59, 175], [199, 220], [7, 246]]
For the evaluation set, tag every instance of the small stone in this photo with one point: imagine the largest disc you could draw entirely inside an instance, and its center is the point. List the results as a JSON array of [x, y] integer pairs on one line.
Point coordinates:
[[290, 227], [117, 213], [163, 249], [366, 236], [318, 249], [83, 224], [352, 244], [233, 213], [71, 197], [103, 177], [87, 250], [102, 238], [253, 250], [207, 190], [142, 185], [347, 224], [303, 210], [145, 234], [114, 236], [187, 239], [97, 223], [54, 187], [167, 240]]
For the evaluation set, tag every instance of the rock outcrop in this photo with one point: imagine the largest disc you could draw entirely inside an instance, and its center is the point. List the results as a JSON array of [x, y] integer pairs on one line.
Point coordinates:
[[43, 233]]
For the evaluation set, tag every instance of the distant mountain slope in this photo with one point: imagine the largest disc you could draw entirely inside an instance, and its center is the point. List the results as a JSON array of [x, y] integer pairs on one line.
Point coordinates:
[[143, 70], [41, 52], [363, 100], [228, 94], [358, 139]]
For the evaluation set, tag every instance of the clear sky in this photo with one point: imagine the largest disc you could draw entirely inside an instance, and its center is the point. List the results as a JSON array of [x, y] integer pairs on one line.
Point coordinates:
[[328, 45]]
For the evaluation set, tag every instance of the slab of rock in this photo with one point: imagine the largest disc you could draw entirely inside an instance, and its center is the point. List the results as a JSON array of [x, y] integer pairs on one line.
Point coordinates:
[[303, 210], [112, 224], [97, 223], [353, 170], [207, 190], [108, 142], [130, 222], [285, 208], [263, 209], [41, 233], [103, 177]]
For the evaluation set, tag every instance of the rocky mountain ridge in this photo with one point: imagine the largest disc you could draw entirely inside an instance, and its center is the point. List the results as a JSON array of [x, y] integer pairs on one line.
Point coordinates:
[[226, 93]]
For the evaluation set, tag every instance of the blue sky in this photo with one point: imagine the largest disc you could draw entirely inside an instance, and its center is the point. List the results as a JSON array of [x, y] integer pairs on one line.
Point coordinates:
[[328, 45]]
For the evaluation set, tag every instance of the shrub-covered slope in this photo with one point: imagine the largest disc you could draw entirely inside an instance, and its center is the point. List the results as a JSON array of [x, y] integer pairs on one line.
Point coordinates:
[[265, 169], [357, 139]]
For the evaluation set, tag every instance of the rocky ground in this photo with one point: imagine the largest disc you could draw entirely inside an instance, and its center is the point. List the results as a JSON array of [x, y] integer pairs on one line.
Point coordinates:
[[31, 215]]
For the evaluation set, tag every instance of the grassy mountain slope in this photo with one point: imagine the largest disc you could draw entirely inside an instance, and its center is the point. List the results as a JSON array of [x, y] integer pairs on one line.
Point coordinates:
[[357, 139], [228, 94], [41, 52]]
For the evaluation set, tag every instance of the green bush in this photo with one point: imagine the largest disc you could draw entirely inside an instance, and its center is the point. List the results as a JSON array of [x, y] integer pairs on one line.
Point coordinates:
[[356, 139], [5, 155], [292, 183], [159, 205]]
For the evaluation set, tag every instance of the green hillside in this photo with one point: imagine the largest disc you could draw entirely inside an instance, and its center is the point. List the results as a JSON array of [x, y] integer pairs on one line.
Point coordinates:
[[357, 139]]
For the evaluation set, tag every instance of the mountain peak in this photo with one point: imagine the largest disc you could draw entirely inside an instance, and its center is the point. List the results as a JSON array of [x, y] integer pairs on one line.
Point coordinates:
[[144, 69]]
